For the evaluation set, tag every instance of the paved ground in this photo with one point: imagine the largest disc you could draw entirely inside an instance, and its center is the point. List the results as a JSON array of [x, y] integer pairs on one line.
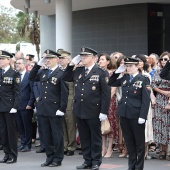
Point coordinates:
[[32, 161]]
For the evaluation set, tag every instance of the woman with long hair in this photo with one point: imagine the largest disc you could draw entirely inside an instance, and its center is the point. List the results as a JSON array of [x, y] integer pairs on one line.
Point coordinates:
[[110, 65]]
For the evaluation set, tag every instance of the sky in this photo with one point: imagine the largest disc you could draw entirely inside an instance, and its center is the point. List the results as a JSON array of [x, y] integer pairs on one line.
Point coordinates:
[[5, 3]]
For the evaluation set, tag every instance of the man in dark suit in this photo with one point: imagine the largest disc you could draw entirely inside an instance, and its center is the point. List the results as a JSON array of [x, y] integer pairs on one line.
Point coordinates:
[[91, 103], [52, 106], [9, 101], [69, 122], [133, 109], [26, 105]]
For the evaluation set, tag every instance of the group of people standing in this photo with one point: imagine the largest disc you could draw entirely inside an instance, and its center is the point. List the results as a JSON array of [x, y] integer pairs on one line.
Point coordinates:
[[127, 90]]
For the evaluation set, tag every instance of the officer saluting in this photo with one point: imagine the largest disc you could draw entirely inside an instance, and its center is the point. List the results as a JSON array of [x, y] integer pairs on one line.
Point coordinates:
[[9, 98], [91, 101], [52, 106], [133, 109]]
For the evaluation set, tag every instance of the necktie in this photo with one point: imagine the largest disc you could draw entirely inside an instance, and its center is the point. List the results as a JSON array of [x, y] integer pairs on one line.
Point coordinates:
[[131, 78], [49, 72], [3, 71], [20, 77], [86, 71]]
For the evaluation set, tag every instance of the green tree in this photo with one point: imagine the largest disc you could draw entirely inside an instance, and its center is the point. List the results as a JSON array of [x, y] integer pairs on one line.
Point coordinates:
[[28, 29], [7, 25]]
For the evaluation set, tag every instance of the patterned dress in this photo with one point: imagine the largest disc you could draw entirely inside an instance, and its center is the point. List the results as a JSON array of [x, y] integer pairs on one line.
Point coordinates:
[[161, 120], [148, 124], [113, 118]]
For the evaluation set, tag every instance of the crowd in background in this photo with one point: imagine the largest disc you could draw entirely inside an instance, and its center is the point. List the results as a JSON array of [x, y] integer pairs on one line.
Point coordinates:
[[157, 129]]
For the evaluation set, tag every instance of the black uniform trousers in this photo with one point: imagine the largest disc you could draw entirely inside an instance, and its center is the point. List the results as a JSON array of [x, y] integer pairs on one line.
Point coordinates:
[[91, 140], [24, 123], [52, 129], [134, 135], [8, 131]]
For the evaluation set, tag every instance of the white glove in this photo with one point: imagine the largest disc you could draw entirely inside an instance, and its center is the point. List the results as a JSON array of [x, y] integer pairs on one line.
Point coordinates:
[[41, 62], [141, 120], [13, 110], [59, 113], [120, 69], [76, 59], [102, 116]]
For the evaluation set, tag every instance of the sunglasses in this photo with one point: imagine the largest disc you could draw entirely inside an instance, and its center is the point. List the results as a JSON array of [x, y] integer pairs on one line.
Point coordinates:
[[164, 59]]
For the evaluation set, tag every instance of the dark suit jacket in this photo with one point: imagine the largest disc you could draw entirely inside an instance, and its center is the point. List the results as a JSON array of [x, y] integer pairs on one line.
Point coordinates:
[[9, 90], [92, 93], [53, 91], [27, 95], [135, 99]]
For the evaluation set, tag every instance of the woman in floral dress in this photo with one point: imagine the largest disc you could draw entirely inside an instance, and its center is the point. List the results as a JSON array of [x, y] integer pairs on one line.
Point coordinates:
[[161, 120], [110, 65]]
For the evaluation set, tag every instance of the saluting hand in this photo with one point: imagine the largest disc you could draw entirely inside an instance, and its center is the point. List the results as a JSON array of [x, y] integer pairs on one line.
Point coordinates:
[[75, 60], [41, 62]]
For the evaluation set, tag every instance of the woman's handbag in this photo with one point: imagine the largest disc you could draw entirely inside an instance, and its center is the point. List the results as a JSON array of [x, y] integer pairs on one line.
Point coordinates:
[[105, 127], [167, 107]]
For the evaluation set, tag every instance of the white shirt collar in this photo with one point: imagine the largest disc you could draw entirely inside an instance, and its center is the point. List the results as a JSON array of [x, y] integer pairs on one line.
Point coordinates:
[[6, 68], [135, 74], [90, 67], [23, 73], [54, 68]]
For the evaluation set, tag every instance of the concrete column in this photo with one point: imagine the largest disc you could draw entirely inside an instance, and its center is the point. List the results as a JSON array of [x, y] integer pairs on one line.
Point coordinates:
[[47, 33], [64, 24]]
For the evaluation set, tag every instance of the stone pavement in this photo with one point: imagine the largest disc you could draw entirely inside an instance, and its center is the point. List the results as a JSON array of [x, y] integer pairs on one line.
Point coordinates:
[[32, 161]]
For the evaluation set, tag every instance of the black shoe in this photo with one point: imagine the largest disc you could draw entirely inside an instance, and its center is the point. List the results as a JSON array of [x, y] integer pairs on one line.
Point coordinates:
[[70, 153], [95, 167], [20, 147], [1, 147], [65, 152], [45, 164], [11, 160], [4, 160], [26, 149], [53, 164], [84, 166], [81, 153], [40, 151]]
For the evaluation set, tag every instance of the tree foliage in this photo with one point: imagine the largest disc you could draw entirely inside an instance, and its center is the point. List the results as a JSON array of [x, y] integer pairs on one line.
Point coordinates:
[[19, 27], [7, 25]]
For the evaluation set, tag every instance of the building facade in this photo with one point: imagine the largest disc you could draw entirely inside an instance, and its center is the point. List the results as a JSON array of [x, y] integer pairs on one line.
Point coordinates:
[[105, 25]]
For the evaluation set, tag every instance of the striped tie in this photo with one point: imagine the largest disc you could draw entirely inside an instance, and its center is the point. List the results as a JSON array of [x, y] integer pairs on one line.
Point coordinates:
[[131, 78], [86, 71]]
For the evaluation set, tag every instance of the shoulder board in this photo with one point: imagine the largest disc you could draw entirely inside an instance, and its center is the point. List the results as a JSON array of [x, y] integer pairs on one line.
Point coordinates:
[[144, 75], [62, 69], [102, 68], [80, 66]]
